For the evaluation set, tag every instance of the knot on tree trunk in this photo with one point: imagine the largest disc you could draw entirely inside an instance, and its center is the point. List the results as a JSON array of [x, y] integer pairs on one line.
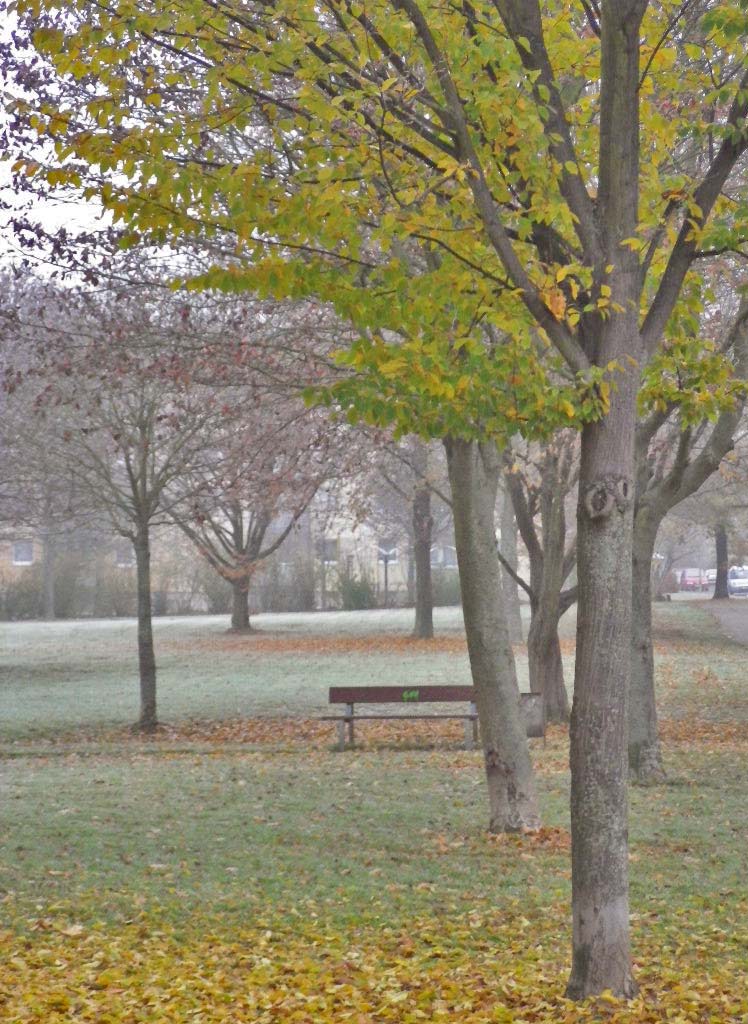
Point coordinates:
[[495, 763], [605, 495]]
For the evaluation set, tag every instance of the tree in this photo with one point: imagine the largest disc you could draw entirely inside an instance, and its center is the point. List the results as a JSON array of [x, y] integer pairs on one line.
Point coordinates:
[[128, 423], [474, 471], [415, 505], [722, 560], [540, 482], [500, 139], [271, 457], [509, 562], [674, 457]]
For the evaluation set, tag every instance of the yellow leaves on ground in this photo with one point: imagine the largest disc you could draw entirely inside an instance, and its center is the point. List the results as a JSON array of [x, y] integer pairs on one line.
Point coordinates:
[[472, 968]]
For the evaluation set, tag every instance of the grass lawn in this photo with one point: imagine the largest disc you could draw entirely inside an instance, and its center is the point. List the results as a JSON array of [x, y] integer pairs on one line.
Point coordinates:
[[243, 871], [63, 677]]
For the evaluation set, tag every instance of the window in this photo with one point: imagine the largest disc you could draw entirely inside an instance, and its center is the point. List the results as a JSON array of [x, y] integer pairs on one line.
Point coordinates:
[[23, 552], [443, 557], [124, 555], [327, 550]]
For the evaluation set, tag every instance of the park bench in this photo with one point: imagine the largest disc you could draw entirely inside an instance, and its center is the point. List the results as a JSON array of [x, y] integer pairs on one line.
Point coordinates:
[[533, 708]]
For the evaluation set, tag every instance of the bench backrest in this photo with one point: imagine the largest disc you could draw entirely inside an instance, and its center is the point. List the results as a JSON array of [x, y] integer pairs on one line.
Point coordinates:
[[399, 694]]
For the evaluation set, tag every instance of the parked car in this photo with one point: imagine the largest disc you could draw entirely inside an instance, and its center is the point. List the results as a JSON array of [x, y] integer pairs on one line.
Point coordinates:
[[693, 579], [737, 581], [711, 577]]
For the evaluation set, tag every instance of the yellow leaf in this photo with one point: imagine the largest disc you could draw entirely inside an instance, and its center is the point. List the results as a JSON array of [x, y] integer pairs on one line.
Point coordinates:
[[556, 302]]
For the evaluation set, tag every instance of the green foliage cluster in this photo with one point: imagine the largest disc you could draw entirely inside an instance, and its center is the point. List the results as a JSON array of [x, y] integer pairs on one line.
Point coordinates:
[[357, 591]]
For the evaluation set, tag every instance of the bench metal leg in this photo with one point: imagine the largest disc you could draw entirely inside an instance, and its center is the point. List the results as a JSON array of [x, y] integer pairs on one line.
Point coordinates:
[[471, 730], [349, 713], [341, 734]]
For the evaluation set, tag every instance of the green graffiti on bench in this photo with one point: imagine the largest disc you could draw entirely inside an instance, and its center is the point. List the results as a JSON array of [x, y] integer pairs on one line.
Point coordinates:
[[411, 694]]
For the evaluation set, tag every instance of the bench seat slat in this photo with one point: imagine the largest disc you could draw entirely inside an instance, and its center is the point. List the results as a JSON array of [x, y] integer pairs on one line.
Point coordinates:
[[386, 718]]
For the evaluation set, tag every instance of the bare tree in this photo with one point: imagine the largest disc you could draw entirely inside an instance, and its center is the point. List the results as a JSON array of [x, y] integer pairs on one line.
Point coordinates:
[[270, 457], [120, 413]]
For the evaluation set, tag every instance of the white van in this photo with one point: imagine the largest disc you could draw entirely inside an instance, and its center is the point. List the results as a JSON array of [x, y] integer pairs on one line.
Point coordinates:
[[737, 581]]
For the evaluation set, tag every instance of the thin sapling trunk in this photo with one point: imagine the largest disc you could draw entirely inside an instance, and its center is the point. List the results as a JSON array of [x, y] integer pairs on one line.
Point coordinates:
[[148, 721]]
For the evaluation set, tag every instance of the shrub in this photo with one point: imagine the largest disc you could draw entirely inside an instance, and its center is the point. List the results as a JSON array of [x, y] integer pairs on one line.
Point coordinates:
[[22, 595], [285, 586], [115, 594], [445, 587], [215, 590], [356, 591]]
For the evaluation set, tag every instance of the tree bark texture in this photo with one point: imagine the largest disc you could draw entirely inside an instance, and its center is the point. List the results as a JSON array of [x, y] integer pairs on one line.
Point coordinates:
[[508, 531], [422, 530], [240, 605], [599, 808], [547, 579], [473, 475], [645, 753], [545, 664], [148, 721], [550, 565], [720, 545]]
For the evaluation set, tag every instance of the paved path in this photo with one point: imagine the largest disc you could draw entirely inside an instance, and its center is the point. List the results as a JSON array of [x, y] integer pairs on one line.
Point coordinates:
[[732, 616]]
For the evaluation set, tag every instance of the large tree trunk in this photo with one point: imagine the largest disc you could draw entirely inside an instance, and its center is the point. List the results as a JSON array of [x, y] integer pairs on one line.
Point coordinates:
[[473, 476], [599, 810], [508, 531], [240, 605], [148, 721], [645, 754], [599, 720], [544, 661], [720, 544], [422, 528]]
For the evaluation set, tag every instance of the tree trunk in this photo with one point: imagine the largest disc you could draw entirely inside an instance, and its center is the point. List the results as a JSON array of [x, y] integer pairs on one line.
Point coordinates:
[[547, 579], [473, 475], [508, 531], [599, 720], [240, 606], [422, 528], [148, 721], [545, 665], [645, 754], [48, 576], [720, 543], [599, 809]]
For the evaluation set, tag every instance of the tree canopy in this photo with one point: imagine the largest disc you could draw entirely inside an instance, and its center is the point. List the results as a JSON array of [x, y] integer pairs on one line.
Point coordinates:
[[437, 173]]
